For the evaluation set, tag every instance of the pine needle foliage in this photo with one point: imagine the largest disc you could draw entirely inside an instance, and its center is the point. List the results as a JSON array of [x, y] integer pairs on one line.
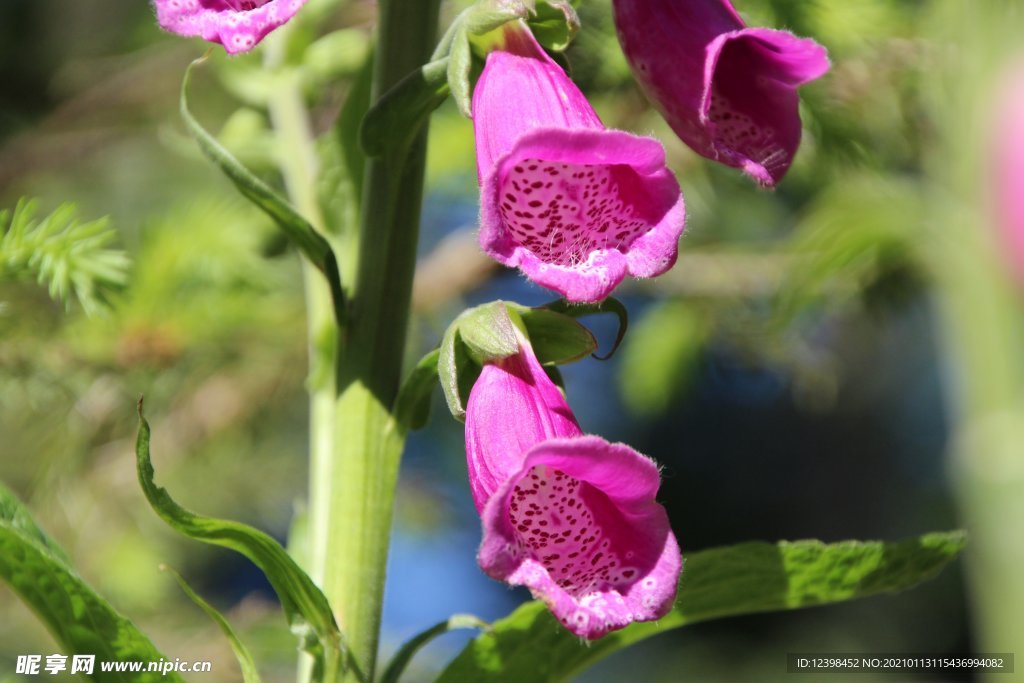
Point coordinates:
[[72, 259]]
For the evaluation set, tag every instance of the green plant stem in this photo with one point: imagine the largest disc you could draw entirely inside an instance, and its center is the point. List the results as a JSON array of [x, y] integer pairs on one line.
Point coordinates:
[[359, 483]]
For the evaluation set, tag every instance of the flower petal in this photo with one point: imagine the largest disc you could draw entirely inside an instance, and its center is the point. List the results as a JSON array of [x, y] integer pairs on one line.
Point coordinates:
[[727, 91], [513, 406], [750, 105], [238, 25], [578, 525], [566, 205]]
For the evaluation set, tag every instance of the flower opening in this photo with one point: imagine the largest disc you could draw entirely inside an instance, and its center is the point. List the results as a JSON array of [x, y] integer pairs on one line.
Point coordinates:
[[728, 91], [575, 206], [570, 516]]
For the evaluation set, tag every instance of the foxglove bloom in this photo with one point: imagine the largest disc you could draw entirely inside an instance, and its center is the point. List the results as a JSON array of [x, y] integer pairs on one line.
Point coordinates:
[[727, 91], [236, 24], [575, 206], [571, 517]]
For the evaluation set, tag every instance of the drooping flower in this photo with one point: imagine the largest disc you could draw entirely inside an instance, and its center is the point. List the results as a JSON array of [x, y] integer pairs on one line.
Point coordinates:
[[238, 25], [573, 205], [727, 91], [1007, 169], [570, 516]]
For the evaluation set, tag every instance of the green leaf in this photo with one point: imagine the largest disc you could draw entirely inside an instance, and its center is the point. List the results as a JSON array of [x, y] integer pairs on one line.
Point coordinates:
[[555, 337], [312, 244], [245, 661], [72, 259], [304, 604], [405, 654], [412, 406], [394, 121], [609, 305], [529, 645], [81, 621], [340, 183]]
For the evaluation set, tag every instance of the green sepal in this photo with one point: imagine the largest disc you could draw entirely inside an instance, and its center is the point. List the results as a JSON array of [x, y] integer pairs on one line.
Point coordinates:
[[609, 305], [306, 608], [460, 66], [529, 646], [478, 335], [555, 337], [457, 372], [482, 17], [250, 674], [36, 568], [489, 332], [555, 23], [408, 650]]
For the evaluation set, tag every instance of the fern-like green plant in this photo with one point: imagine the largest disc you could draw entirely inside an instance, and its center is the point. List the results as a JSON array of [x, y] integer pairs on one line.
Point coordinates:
[[70, 258]]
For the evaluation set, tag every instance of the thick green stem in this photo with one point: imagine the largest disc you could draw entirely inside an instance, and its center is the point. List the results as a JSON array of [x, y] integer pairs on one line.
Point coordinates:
[[367, 446]]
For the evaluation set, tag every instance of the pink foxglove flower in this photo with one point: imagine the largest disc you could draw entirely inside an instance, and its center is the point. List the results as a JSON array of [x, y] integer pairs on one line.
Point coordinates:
[[573, 205], [571, 517], [236, 24], [727, 91]]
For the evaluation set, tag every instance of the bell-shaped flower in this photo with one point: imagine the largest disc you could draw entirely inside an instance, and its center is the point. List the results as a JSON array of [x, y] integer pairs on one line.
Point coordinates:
[[727, 91], [573, 205], [236, 24], [571, 517]]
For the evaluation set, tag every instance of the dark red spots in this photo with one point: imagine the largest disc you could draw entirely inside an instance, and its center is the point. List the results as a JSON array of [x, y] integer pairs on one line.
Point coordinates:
[[582, 203], [585, 559]]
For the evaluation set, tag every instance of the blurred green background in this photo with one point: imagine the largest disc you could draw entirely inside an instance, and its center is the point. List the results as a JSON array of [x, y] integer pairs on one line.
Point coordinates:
[[798, 374]]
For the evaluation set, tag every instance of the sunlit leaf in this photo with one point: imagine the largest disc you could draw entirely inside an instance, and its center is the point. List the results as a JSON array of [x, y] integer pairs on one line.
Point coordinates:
[[81, 621], [529, 646], [313, 245], [304, 604]]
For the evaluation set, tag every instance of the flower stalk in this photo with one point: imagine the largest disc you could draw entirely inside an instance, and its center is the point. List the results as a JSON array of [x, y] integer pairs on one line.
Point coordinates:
[[358, 480]]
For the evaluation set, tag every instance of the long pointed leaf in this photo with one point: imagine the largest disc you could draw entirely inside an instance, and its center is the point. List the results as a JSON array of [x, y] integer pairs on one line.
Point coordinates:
[[81, 621], [304, 604], [288, 219], [250, 674]]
